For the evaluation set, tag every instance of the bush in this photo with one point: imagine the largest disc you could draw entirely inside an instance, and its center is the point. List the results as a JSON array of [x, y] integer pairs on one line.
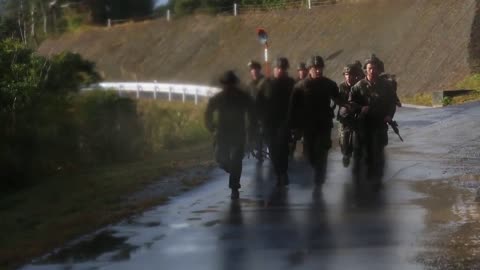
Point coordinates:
[[47, 126], [108, 127], [37, 136], [168, 125]]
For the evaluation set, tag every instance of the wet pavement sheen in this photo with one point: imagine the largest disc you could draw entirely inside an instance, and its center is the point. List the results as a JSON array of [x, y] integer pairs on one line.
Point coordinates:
[[341, 226]]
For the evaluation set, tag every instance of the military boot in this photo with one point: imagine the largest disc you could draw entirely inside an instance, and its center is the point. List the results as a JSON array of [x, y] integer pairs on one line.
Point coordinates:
[[235, 195], [282, 180], [346, 161]]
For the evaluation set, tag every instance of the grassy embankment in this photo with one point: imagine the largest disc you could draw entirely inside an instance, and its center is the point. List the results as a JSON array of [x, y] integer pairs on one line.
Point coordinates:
[[471, 82], [62, 207]]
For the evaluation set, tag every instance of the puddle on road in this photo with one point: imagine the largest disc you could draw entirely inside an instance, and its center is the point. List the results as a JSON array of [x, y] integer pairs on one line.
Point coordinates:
[[92, 248], [453, 223]]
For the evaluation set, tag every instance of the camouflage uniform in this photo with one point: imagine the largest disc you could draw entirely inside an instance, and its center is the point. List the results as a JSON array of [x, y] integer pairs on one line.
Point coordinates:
[[371, 136], [345, 116], [232, 106], [310, 111], [274, 102]]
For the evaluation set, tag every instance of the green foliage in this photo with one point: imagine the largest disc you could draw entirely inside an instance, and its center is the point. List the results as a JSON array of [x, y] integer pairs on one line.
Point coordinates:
[[37, 135], [447, 101], [108, 127], [72, 20], [70, 71], [101, 10], [168, 125], [182, 7]]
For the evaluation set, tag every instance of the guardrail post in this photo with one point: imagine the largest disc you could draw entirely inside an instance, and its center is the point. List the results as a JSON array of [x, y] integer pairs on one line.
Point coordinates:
[[120, 89], [168, 15], [139, 87], [109, 23], [235, 10], [183, 94], [309, 4], [155, 88], [169, 93], [196, 96]]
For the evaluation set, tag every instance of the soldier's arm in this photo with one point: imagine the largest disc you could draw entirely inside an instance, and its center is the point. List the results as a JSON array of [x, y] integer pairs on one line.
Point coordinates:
[[294, 105], [354, 99], [211, 107], [336, 97]]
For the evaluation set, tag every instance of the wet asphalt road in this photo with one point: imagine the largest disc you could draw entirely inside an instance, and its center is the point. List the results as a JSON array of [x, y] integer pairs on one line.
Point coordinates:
[[338, 227]]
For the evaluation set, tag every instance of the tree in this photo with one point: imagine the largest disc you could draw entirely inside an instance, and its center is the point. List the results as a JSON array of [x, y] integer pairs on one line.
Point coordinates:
[[36, 130], [101, 10]]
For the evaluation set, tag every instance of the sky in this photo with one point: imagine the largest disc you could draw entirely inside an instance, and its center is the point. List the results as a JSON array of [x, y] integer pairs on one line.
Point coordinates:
[[160, 2]]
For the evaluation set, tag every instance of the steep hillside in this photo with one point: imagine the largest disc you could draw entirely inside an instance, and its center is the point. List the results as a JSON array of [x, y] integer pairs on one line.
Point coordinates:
[[426, 43]]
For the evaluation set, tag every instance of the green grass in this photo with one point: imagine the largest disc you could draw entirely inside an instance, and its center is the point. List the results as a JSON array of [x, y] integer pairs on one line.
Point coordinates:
[[45, 216], [471, 82], [424, 99], [475, 96]]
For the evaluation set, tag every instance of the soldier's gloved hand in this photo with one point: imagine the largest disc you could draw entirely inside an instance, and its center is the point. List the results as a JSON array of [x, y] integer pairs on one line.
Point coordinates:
[[387, 119]]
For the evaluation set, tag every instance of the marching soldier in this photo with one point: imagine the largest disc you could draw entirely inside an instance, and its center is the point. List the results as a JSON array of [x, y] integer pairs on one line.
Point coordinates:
[[352, 73], [374, 101], [258, 84], [233, 107], [310, 112], [274, 101]]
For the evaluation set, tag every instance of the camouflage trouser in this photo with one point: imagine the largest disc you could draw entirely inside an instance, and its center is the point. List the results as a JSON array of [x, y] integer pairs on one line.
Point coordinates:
[[229, 156], [345, 132], [317, 143], [369, 145]]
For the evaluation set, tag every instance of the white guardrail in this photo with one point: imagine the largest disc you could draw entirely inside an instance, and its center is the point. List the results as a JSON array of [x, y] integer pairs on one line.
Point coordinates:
[[182, 90]]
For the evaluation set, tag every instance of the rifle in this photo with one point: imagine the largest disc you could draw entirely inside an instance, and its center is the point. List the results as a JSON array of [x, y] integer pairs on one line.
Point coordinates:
[[394, 126]]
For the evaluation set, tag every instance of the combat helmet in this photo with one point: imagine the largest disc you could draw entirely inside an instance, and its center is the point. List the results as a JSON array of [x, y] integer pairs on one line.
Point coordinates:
[[229, 78], [254, 65], [315, 61], [281, 63]]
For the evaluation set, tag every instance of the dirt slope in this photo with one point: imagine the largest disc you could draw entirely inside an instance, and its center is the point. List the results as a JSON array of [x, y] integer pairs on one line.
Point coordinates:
[[425, 42]]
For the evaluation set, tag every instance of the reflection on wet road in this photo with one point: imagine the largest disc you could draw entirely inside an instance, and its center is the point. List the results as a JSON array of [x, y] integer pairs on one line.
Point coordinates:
[[341, 226]]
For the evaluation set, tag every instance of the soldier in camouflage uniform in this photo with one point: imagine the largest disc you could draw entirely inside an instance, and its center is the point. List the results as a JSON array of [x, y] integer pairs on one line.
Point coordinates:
[[311, 113], [374, 101], [274, 101], [352, 74], [302, 73], [258, 83], [232, 107]]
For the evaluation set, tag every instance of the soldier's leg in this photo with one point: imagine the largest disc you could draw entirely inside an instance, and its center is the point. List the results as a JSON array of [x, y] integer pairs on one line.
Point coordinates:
[[358, 154], [323, 143], [278, 147], [309, 147], [283, 159], [222, 154], [259, 146], [371, 153], [236, 157], [345, 133], [380, 142]]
